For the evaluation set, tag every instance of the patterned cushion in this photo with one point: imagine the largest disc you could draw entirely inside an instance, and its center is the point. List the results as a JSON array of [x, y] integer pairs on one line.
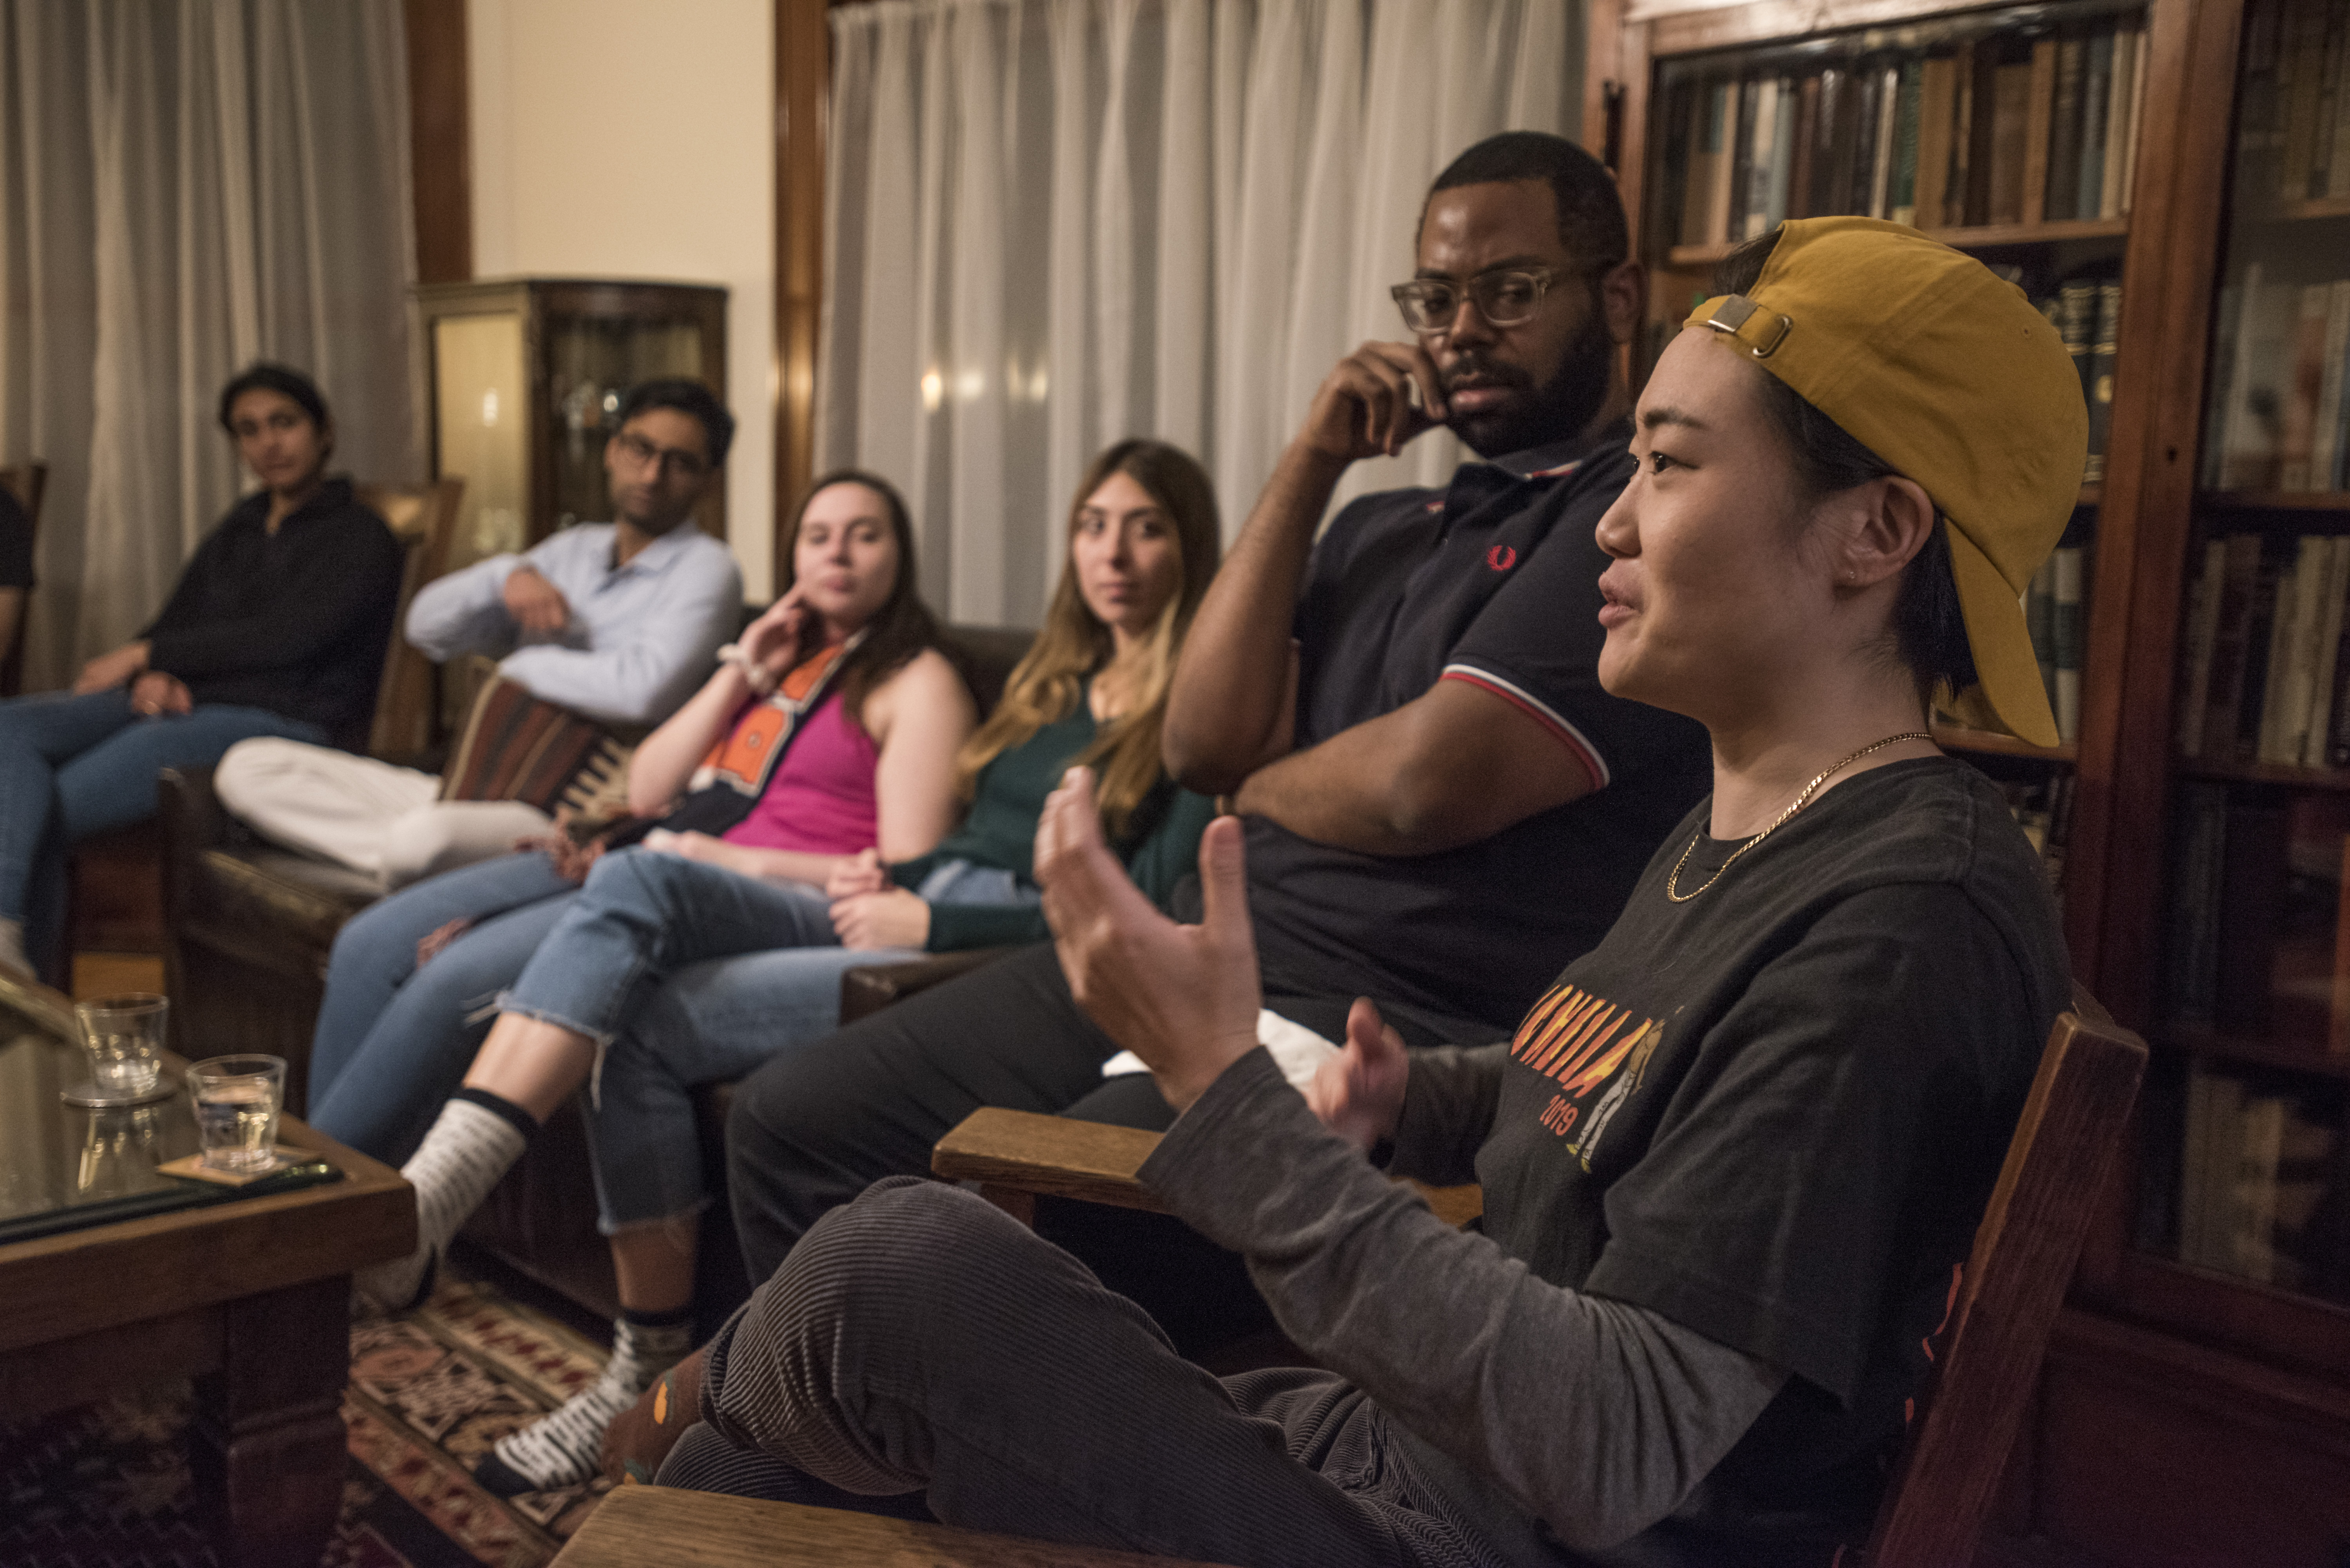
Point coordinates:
[[517, 747]]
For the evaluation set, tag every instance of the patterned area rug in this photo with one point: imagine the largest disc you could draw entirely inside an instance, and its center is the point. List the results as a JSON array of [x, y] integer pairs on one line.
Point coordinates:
[[430, 1390]]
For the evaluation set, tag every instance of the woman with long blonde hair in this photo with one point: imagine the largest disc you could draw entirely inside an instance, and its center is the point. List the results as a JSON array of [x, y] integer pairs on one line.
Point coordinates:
[[1142, 542]]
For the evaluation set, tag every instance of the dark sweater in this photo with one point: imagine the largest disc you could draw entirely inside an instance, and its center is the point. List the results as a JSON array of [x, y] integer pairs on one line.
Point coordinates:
[[297, 622], [1159, 845]]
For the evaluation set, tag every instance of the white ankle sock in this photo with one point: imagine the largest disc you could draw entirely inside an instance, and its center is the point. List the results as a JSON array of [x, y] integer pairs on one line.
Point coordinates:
[[468, 1149], [565, 1447]]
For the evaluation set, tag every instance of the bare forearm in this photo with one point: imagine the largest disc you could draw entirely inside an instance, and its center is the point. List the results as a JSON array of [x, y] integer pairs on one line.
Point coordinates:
[[782, 865], [1232, 683], [666, 759], [1345, 792]]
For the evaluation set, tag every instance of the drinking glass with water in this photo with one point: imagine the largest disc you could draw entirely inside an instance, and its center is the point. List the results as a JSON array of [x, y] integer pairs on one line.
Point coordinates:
[[237, 1099]]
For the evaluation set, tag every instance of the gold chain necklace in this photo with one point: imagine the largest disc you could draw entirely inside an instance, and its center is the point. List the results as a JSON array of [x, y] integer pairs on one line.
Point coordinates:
[[1672, 877]]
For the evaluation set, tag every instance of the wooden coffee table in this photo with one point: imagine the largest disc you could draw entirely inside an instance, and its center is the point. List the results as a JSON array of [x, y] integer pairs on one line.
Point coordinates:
[[249, 1296]]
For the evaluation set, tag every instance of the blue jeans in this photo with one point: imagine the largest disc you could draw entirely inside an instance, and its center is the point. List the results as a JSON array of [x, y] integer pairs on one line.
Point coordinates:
[[72, 767], [689, 974], [393, 1041]]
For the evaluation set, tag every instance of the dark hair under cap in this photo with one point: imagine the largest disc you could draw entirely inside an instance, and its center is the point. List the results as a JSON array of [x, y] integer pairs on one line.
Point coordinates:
[[280, 379], [689, 398], [1590, 210], [1929, 628]]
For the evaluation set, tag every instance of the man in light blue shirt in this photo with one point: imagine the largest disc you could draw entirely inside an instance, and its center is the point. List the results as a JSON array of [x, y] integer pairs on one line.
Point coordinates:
[[617, 621]]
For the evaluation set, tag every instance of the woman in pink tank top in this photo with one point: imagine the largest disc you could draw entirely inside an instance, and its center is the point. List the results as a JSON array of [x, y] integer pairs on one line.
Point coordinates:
[[830, 730]]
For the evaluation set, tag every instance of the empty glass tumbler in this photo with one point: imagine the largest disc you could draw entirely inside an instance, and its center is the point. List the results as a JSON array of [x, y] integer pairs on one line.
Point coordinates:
[[124, 1037]]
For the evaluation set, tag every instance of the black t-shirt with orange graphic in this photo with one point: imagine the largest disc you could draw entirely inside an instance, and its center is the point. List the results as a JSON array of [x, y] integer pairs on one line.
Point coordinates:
[[1774, 1113]]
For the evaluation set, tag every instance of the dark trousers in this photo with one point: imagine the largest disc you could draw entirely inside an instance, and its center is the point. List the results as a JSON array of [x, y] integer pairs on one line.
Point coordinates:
[[813, 1128], [921, 1347]]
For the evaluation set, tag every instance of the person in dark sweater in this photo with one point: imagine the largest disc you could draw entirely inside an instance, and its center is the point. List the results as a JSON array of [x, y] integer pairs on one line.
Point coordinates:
[[278, 626], [1731, 1161]]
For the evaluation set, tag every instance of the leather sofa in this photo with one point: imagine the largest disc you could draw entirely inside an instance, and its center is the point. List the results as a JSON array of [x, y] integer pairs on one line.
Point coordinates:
[[250, 929]]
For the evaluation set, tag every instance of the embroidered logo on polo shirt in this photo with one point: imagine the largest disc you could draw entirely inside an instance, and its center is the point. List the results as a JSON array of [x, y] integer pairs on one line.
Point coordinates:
[[1561, 472], [1582, 1042], [1501, 557]]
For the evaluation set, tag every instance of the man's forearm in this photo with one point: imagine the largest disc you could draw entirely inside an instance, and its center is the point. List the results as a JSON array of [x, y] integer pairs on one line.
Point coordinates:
[[1232, 683]]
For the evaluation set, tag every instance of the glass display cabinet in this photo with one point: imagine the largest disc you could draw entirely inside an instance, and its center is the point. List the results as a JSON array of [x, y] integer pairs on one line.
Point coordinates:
[[526, 377]]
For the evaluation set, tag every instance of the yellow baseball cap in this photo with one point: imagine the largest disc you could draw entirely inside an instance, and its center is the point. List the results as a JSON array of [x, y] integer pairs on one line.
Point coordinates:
[[1948, 374]]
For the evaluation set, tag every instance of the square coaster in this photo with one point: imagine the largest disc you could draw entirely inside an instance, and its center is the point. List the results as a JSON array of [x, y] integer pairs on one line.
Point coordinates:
[[193, 1167]]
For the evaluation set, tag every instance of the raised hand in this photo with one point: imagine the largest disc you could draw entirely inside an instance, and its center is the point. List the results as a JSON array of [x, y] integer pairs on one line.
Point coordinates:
[[774, 640], [1358, 1093], [537, 604], [1183, 998], [1378, 399]]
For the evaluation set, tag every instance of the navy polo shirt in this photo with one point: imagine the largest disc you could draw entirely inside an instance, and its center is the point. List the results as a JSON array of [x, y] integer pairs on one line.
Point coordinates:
[[1493, 580]]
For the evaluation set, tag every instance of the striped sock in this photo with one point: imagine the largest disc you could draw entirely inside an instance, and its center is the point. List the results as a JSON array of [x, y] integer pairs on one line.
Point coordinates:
[[475, 1140], [565, 1447]]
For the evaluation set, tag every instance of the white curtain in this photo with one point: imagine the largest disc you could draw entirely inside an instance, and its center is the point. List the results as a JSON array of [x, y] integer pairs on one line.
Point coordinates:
[[187, 186], [1054, 224]]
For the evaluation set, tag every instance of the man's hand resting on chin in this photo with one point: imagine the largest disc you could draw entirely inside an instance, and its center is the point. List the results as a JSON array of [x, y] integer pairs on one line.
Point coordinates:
[[1183, 998]]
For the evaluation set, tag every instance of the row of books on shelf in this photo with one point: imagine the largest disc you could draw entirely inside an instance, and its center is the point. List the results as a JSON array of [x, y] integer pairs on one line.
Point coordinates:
[[2278, 409], [2265, 677], [2087, 313], [2006, 129], [2258, 941], [2053, 612], [2293, 137], [2262, 1183]]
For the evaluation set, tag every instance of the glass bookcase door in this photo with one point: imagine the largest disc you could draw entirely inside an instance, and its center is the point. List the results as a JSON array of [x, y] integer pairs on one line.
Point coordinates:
[[2245, 1166], [480, 408], [591, 363]]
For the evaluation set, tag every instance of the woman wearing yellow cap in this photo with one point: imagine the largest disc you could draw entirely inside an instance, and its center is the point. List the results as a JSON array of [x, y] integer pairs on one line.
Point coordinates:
[[1732, 1162]]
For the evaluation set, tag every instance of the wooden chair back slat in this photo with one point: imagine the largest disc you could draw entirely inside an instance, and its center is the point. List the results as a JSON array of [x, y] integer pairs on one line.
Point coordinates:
[[26, 481], [424, 517], [1943, 1487]]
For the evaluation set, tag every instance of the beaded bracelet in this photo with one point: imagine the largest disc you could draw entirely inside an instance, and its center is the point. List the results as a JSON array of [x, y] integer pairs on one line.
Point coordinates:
[[752, 671]]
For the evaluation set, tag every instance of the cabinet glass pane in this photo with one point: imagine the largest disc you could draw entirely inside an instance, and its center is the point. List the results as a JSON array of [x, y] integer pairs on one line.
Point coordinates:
[[480, 420], [591, 365]]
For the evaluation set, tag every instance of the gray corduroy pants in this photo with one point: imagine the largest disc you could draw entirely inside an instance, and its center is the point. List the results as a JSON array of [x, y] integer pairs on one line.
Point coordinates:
[[920, 1346]]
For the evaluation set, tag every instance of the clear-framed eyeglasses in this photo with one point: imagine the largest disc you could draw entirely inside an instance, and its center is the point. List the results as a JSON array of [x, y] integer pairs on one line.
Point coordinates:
[[1504, 298]]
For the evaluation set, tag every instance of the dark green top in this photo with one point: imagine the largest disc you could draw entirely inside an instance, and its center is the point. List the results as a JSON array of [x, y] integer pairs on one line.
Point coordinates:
[[1161, 843]]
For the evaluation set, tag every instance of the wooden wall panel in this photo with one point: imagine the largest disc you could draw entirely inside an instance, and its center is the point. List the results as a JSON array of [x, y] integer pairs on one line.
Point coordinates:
[[440, 141], [803, 69]]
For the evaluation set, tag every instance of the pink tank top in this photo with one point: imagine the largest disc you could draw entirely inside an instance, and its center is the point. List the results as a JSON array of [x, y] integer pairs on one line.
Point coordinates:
[[820, 801]]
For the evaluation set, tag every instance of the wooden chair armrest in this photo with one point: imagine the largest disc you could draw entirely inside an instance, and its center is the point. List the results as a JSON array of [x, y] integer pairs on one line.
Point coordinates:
[[1020, 1152], [868, 988], [1016, 1156]]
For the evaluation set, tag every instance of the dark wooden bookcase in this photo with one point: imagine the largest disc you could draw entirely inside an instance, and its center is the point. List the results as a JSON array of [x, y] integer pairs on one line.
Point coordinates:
[[2188, 1413]]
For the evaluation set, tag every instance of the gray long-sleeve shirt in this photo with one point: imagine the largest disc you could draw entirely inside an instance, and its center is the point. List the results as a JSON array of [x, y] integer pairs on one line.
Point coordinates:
[[1596, 1417]]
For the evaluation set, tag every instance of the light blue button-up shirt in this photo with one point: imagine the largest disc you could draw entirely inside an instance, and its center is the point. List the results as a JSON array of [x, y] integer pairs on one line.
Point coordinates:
[[640, 636]]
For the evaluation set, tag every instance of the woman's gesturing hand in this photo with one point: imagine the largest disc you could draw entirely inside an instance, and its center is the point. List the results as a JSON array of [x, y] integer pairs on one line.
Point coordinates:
[[1183, 998], [1358, 1093]]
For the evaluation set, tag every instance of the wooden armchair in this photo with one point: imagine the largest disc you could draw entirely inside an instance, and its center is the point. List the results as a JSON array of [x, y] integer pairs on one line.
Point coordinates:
[[25, 482], [1942, 1487]]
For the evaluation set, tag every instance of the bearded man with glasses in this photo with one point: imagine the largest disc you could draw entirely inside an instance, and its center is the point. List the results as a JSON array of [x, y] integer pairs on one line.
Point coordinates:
[[1442, 805], [617, 621]]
